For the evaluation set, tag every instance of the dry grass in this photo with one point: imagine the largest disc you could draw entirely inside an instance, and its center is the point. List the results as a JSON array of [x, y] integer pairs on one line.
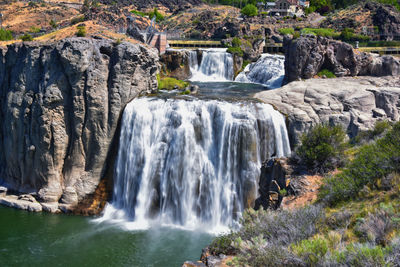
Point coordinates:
[[20, 17]]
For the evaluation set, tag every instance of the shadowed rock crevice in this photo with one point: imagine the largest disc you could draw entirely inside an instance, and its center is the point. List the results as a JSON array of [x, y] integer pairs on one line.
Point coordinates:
[[60, 107]]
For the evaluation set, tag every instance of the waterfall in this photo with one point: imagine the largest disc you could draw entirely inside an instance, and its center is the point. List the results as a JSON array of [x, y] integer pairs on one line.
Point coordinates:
[[268, 70], [192, 163], [216, 65]]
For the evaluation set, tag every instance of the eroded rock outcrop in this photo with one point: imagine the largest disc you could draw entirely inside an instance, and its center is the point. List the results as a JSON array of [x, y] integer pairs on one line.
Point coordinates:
[[60, 108], [176, 63], [306, 56], [355, 103]]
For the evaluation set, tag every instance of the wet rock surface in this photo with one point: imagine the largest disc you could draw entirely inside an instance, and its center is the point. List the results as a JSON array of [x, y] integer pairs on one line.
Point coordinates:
[[60, 108]]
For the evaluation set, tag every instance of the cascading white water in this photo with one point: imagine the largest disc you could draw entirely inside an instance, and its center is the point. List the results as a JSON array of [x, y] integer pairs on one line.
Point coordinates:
[[216, 65], [268, 70], [192, 163]]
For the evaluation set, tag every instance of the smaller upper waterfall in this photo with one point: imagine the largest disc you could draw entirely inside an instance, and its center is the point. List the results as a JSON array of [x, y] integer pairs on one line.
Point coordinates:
[[268, 70], [216, 66]]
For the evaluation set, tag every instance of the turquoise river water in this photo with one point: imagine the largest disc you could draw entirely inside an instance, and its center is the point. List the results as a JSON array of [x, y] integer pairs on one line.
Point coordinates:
[[41, 239]]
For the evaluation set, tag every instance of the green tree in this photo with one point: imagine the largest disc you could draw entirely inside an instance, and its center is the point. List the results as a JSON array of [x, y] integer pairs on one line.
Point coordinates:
[[159, 16], [5, 35], [250, 10]]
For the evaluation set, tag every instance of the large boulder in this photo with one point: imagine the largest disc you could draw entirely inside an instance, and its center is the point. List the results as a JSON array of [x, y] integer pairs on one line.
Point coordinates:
[[60, 105], [176, 63], [308, 55], [355, 103]]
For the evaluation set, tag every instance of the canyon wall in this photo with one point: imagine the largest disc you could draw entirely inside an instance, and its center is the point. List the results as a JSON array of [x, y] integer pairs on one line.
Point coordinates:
[[60, 108]]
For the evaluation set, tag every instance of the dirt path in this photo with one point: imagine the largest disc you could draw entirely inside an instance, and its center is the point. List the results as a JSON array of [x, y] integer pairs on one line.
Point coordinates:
[[311, 185]]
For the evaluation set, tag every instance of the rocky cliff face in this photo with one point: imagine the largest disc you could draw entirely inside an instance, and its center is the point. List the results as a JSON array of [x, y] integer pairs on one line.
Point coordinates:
[[176, 63], [60, 108], [354, 103], [387, 19], [306, 56]]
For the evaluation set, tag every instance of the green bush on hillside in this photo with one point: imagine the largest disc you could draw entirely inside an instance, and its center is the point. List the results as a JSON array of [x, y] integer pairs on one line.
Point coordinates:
[[34, 29], [249, 10], [158, 15], [236, 49], [81, 31], [138, 13], [285, 31], [53, 24], [325, 32], [348, 35], [326, 73], [322, 148], [371, 164], [26, 37], [5, 35]]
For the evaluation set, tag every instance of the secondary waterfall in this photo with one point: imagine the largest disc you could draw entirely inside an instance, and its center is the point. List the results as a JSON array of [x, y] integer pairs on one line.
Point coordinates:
[[192, 163], [216, 65], [268, 70]]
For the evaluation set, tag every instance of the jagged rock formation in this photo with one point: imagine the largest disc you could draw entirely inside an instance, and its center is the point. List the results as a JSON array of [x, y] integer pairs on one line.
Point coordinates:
[[354, 103], [306, 56], [60, 108], [387, 19], [275, 173], [176, 63]]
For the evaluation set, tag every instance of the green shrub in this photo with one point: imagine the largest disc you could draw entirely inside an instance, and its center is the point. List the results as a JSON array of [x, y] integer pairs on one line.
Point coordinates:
[[169, 83], [158, 15], [322, 148], [26, 37], [326, 73], [311, 250], [34, 29], [138, 13], [32, 4], [285, 31], [249, 10], [372, 163], [53, 24], [365, 136], [77, 20], [223, 244], [5, 35], [348, 35], [235, 50], [361, 255], [81, 31], [236, 42]]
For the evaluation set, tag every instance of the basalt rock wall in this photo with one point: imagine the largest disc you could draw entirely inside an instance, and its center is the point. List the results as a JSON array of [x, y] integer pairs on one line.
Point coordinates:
[[308, 55], [60, 105], [354, 103]]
